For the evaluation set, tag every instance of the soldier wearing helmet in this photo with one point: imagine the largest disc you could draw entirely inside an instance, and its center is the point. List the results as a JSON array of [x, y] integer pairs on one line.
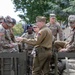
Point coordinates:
[[6, 26], [68, 46], [10, 22], [71, 45], [71, 20]]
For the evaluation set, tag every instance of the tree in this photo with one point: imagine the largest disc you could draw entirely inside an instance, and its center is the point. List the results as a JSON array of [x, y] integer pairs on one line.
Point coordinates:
[[18, 30], [31, 8], [71, 8]]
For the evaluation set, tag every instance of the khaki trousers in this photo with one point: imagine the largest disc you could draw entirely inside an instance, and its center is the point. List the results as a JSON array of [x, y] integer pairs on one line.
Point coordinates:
[[41, 61], [60, 44]]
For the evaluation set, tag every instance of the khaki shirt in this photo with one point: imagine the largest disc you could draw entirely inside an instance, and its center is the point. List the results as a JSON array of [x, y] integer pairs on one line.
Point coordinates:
[[44, 38], [56, 28]]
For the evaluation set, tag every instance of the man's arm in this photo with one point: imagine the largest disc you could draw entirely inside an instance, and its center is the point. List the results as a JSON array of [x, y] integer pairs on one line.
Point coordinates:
[[41, 35]]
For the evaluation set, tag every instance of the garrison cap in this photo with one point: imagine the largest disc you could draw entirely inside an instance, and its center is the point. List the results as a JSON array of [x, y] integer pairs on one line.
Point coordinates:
[[52, 15], [40, 19], [71, 18]]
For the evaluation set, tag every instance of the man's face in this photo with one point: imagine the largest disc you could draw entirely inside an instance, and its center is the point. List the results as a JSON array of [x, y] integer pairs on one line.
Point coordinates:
[[72, 24], [30, 29], [39, 24], [52, 20], [10, 25], [36, 29]]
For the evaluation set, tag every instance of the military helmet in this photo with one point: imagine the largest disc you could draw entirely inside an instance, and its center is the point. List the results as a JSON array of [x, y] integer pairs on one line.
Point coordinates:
[[14, 21], [9, 21], [71, 18]]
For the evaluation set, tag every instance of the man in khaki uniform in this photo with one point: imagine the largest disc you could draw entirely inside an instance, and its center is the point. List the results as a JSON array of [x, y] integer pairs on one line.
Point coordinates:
[[43, 46], [55, 27]]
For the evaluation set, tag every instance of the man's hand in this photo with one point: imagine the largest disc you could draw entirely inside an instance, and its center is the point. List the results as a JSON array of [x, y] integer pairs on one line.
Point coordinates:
[[12, 45], [66, 45], [19, 39], [63, 50]]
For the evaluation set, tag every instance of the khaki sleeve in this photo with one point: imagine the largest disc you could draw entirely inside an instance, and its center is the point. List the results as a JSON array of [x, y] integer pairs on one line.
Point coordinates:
[[37, 41]]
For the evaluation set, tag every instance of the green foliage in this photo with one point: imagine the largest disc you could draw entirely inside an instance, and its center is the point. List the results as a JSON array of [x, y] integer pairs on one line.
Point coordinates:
[[71, 8], [17, 29], [31, 8]]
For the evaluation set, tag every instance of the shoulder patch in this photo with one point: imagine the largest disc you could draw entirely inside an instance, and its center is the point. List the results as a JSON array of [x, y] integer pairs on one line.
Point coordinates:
[[39, 34]]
